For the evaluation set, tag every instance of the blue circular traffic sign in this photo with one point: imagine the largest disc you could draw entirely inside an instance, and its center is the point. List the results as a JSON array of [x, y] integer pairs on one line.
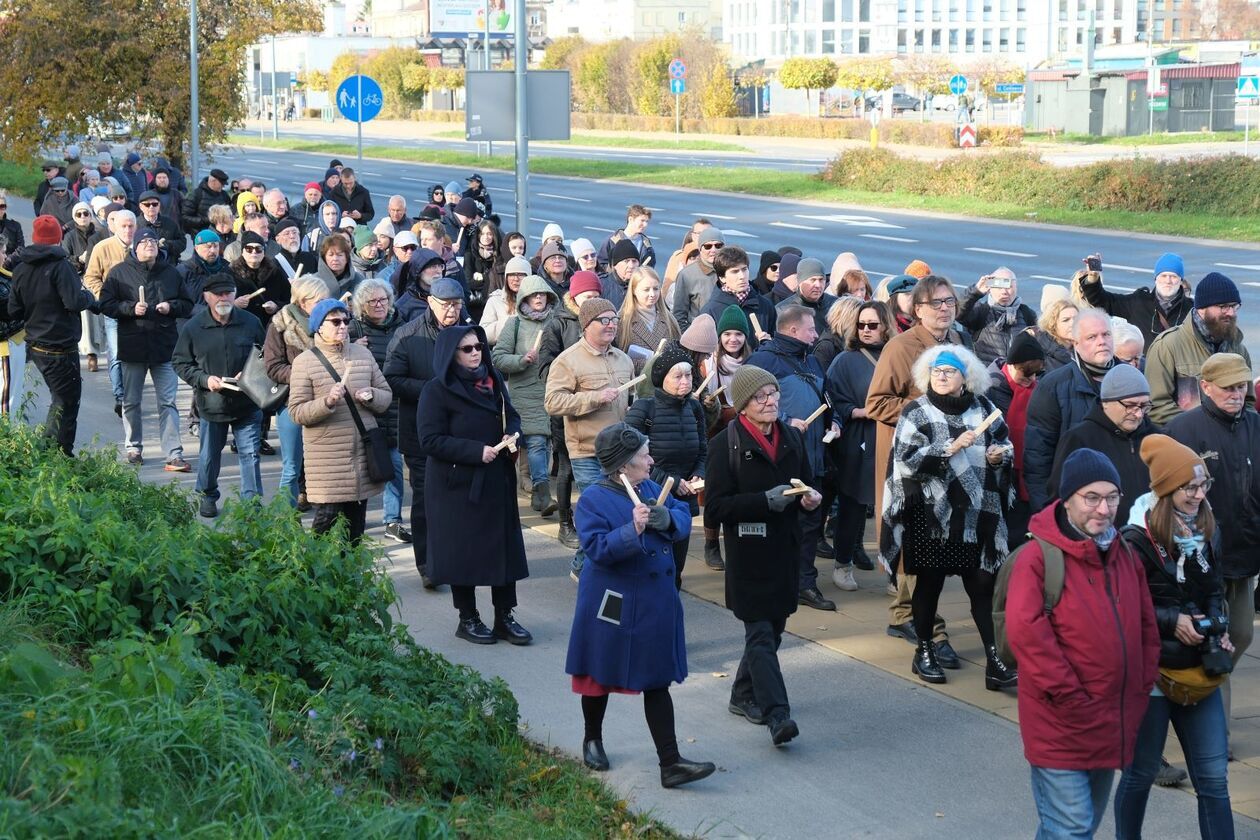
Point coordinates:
[[958, 84], [677, 69], [359, 98]]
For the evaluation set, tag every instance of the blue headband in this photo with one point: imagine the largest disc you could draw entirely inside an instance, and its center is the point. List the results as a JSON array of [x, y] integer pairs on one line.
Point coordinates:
[[948, 358]]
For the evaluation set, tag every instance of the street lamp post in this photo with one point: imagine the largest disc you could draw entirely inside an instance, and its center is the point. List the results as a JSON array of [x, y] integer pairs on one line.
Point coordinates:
[[195, 103]]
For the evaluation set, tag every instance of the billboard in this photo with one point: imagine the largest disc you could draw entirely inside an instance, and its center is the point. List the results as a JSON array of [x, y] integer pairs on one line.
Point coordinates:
[[460, 18]]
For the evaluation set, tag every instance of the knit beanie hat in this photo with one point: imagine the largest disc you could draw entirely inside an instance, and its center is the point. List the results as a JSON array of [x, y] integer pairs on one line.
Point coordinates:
[[1025, 348], [363, 237], [1085, 466], [286, 223], [519, 265], [1172, 464], [1170, 262], [733, 318], [251, 238], [313, 185], [584, 281], [623, 250], [1051, 293], [1122, 382], [321, 310], [673, 354], [46, 230], [747, 381], [710, 234], [468, 208], [552, 249], [807, 268], [1215, 289], [788, 264], [331, 171], [701, 336], [581, 246], [552, 231], [918, 269], [594, 308], [616, 444], [207, 235]]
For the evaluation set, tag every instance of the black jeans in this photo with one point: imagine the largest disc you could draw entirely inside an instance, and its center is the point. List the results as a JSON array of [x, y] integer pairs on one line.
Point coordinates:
[[65, 384], [354, 514], [927, 594], [758, 678], [419, 524], [465, 599], [848, 526], [680, 560], [564, 470], [811, 532], [1017, 524]]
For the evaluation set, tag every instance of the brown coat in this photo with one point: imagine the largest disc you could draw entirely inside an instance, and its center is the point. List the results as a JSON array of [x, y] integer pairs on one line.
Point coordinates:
[[336, 465], [105, 255], [891, 390], [573, 384]]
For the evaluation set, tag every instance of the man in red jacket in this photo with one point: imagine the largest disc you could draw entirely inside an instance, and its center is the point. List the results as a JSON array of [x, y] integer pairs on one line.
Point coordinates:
[[1087, 667]]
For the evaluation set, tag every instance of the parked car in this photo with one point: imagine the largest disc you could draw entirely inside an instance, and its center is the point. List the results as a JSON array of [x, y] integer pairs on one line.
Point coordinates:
[[944, 102], [900, 102]]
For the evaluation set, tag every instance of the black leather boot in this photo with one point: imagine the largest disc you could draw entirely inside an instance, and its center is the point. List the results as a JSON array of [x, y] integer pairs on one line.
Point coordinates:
[[507, 629], [546, 501], [925, 665], [568, 534], [713, 555], [593, 755], [472, 629], [997, 675], [685, 770]]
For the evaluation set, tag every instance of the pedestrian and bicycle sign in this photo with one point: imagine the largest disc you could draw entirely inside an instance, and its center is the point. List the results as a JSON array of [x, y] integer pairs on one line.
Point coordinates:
[[958, 84], [359, 98], [677, 69]]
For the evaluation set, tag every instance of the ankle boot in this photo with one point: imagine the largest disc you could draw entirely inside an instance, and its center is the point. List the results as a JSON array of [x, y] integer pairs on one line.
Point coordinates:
[[996, 673], [548, 504], [925, 665], [713, 555], [535, 499], [568, 534]]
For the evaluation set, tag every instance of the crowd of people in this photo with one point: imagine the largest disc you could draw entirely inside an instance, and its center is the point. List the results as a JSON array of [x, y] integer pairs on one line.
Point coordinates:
[[1071, 462]]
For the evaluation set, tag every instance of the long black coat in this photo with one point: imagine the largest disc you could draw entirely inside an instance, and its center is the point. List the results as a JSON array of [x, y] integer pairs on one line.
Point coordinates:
[[358, 199], [408, 368], [474, 525], [762, 575], [170, 235], [1123, 449], [149, 338], [848, 380]]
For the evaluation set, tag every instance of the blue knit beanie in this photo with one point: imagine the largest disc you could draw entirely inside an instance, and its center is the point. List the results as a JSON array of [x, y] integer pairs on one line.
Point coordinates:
[[1085, 466], [1170, 262], [1215, 289], [321, 310], [952, 360]]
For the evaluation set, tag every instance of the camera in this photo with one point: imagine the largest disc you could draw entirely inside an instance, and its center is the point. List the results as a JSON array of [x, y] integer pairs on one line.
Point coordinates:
[[1216, 660], [999, 283]]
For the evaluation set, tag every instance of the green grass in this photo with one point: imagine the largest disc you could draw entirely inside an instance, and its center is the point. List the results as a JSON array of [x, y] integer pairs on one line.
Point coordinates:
[[20, 179], [631, 142], [776, 184], [1161, 139]]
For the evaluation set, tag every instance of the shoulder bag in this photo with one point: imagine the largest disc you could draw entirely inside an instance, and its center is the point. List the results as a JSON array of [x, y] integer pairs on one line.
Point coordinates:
[[380, 466], [254, 382]]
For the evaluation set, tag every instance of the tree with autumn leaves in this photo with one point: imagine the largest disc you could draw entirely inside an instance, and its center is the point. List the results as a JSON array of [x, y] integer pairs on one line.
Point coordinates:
[[68, 64]]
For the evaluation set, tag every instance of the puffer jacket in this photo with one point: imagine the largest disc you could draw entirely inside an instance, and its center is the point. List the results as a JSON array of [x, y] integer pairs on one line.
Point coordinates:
[[195, 208], [1140, 308], [677, 437], [333, 453], [508, 355], [1173, 362], [378, 337], [801, 389], [288, 336]]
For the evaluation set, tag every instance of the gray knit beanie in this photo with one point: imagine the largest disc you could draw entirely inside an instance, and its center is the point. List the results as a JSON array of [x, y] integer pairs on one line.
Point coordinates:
[[1123, 381]]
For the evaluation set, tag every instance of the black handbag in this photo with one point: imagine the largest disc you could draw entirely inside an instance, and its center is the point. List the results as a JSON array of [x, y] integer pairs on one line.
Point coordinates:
[[380, 464], [264, 391]]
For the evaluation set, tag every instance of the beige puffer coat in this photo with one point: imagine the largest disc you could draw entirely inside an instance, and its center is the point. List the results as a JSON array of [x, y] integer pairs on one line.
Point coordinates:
[[336, 466]]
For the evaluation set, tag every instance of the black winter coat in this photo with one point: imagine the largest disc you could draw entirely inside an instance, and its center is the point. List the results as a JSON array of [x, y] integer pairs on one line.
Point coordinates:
[[820, 308], [48, 296], [559, 334], [1139, 308], [474, 523], [359, 199], [270, 276], [1097, 431], [378, 337], [1202, 592], [677, 437], [408, 368], [827, 348], [848, 380], [78, 243], [194, 272], [754, 304], [1056, 354], [195, 208], [207, 348], [169, 233], [1230, 446], [991, 331], [762, 572], [11, 238], [1062, 399], [149, 338]]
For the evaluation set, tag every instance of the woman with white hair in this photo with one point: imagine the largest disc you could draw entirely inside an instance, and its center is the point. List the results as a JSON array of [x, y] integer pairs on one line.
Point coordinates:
[[1130, 343], [945, 500]]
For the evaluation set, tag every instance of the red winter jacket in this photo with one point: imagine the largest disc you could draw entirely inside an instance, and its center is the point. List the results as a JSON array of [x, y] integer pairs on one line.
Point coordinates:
[[1086, 670]]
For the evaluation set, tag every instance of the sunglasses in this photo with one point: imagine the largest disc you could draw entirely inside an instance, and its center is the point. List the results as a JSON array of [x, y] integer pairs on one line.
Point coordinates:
[[58, 191], [774, 267], [337, 322], [407, 247], [79, 215], [4, 207], [711, 246], [472, 348], [253, 249], [868, 325], [150, 204]]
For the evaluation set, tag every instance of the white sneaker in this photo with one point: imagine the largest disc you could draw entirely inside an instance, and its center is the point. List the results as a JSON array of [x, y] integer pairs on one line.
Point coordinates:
[[842, 577]]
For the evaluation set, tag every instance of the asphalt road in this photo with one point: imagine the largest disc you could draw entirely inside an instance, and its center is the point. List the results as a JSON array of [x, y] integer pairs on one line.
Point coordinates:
[[885, 241]]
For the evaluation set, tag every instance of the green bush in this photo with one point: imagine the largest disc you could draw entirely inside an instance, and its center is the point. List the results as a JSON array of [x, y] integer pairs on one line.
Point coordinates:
[[20, 178]]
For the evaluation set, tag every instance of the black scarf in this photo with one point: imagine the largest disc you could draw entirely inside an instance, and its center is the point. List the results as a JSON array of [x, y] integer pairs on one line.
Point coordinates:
[[1095, 371], [477, 379]]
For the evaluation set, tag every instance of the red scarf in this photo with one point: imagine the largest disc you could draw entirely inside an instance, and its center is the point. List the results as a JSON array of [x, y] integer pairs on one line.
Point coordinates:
[[770, 444]]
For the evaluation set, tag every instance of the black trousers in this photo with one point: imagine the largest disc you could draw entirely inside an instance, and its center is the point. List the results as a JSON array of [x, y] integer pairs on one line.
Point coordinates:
[[1017, 524], [759, 678], [65, 384], [658, 709], [564, 470], [680, 560], [927, 594], [419, 524], [811, 532], [354, 514], [465, 599], [847, 527]]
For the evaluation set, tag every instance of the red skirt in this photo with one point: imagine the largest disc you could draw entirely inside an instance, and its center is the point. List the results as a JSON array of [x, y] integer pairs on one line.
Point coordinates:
[[587, 687]]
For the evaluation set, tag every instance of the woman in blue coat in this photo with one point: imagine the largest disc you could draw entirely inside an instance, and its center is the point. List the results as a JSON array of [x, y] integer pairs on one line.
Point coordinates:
[[627, 635], [474, 535]]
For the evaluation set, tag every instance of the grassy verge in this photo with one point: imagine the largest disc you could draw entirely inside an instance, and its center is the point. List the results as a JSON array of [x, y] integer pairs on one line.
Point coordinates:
[[20, 179], [775, 184], [631, 142], [1139, 140]]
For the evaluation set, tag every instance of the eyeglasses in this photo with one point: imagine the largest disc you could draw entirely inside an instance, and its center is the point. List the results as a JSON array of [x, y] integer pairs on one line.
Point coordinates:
[[252, 249], [337, 322], [1229, 307], [445, 305], [1195, 489], [762, 399], [1136, 408], [945, 372], [868, 325], [472, 348], [378, 302], [1093, 500], [608, 320], [589, 256], [711, 246], [941, 303], [150, 204]]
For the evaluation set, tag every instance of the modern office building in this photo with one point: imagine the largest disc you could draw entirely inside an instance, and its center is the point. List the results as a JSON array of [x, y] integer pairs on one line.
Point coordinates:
[[606, 20]]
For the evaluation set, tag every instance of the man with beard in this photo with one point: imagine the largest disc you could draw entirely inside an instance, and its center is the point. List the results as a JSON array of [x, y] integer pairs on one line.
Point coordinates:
[[291, 257], [1175, 358]]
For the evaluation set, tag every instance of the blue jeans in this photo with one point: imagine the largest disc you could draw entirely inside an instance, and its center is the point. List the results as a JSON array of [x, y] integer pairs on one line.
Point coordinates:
[[536, 451], [1070, 803], [115, 366], [394, 490], [165, 386], [586, 472], [290, 455], [1201, 730], [248, 432]]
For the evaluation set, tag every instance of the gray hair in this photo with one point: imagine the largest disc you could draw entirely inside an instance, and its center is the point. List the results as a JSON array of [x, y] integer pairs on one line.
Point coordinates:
[[394, 198], [976, 375], [358, 303], [1123, 332], [1087, 314], [119, 215], [272, 194]]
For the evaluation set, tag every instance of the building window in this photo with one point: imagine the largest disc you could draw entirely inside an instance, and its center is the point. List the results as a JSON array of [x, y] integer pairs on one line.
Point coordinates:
[[1004, 40], [937, 11], [864, 11], [829, 42], [988, 9], [846, 11], [953, 40], [988, 41], [846, 41], [971, 40], [829, 11], [918, 40], [953, 11], [1021, 9], [918, 11], [936, 40], [901, 41], [682, 18], [1063, 10], [864, 42], [902, 16], [1020, 45]]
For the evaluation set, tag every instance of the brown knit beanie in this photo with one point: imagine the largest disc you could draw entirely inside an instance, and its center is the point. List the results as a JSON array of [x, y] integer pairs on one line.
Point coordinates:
[[592, 309], [1172, 464], [748, 380]]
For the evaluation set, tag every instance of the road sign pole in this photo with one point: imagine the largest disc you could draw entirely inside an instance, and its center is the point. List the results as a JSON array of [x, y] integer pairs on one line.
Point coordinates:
[[677, 119], [359, 121], [275, 98], [522, 122], [1247, 127]]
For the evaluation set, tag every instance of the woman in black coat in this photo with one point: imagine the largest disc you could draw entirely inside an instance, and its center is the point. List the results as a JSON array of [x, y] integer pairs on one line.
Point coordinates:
[[675, 426], [474, 538], [751, 466]]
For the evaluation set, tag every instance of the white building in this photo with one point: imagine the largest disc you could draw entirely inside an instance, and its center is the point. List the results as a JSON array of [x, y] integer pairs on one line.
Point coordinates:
[[1027, 32], [606, 20]]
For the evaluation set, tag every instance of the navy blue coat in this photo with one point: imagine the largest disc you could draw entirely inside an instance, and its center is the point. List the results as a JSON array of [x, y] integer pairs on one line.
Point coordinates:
[[648, 649], [1061, 400], [801, 389]]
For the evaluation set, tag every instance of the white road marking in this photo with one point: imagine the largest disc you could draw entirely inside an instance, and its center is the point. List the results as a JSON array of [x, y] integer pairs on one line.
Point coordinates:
[[597, 229], [1108, 265], [730, 232], [307, 166], [1066, 280], [544, 221], [712, 216], [1250, 283], [265, 162], [851, 220], [565, 197], [794, 226], [886, 238], [675, 224], [1001, 253], [1243, 267]]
